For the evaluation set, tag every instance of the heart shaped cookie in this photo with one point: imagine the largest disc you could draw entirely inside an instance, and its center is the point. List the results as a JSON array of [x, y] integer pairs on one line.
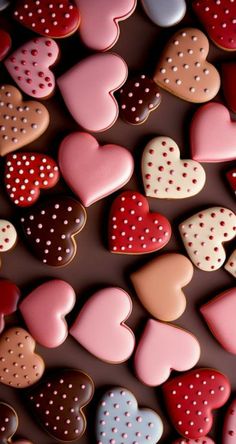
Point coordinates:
[[8, 236], [57, 403], [118, 414], [26, 174], [138, 98], [229, 429], [165, 175], [8, 423], [219, 19], [230, 265], [228, 83], [44, 311], [4, 4], [219, 316], [29, 67], [206, 390], [20, 367], [5, 43], [231, 178], [204, 440], [213, 134], [183, 69], [51, 227], [91, 170], [133, 229], [99, 28], [20, 122], [159, 284], [163, 348], [100, 326], [165, 13], [51, 18], [88, 90], [205, 233], [9, 297]]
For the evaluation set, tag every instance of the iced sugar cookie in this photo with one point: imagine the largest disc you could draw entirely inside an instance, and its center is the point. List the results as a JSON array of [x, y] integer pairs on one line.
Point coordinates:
[[8, 236], [88, 90], [162, 348], [51, 227], [204, 440], [205, 233], [44, 311], [165, 175], [230, 265], [138, 98], [183, 69], [200, 390], [219, 316], [99, 28], [219, 19], [60, 409], [159, 285], [20, 122], [5, 43], [51, 18], [165, 13], [29, 66], [231, 178], [20, 367], [9, 424], [212, 134], [133, 229], [9, 298], [228, 83], [229, 429], [100, 326], [93, 171], [26, 174], [118, 414]]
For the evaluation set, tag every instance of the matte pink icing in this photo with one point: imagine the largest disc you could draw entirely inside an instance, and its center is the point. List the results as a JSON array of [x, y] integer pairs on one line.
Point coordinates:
[[99, 27], [100, 326], [93, 171], [88, 87], [213, 134], [44, 311], [219, 314], [162, 348], [229, 429], [29, 66]]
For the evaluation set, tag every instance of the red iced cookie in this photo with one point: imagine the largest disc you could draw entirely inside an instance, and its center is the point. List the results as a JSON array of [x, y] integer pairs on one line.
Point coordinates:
[[229, 84], [133, 229], [191, 398], [5, 44], [51, 18], [9, 297], [26, 174], [219, 19], [231, 178]]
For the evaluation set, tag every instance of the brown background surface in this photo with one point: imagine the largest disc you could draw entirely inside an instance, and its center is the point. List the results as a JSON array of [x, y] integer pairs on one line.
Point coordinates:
[[94, 267]]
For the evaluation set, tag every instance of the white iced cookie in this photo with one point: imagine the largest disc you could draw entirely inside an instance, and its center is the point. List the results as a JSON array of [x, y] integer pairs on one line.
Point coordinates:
[[230, 265], [165, 175], [204, 234], [8, 236], [165, 13]]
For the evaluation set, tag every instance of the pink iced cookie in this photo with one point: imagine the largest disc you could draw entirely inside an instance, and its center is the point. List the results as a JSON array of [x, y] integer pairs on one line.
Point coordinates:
[[93, 171], [100, 326], [229, 429], [204, 234], [204, 440], [162, 348], [213, 134], [219, 315], [29, 66], [88, 90], [44, 311], [230, 265], [99, 28]]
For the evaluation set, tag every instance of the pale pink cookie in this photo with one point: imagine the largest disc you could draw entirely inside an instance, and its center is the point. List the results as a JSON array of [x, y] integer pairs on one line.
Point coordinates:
[[100, 326], [204, 234], [213, 134], [204, 440], [229, 429], [230, 265], [99, 27], [88, 90], [29, 66], [219, 315], [93, 171], [163, 348], [44, 311], [165, 175]]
